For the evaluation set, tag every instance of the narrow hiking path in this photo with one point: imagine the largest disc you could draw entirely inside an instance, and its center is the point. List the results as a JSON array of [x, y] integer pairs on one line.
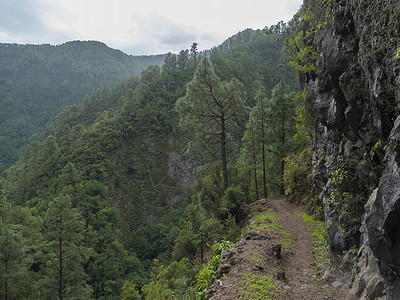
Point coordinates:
[[300, 266], [258, 269]]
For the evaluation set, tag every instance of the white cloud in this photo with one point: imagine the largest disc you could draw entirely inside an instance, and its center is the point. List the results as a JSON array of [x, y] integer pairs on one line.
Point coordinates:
[[138, 27], [157, 34]]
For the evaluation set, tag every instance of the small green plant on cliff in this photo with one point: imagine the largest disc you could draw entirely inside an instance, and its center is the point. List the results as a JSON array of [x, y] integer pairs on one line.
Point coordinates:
[[380, 147], [338, 177], [303, 54], [329, 11], [365, 56], [394, 16], [398, 53], [348, 196], [297, 175], [207, 272]]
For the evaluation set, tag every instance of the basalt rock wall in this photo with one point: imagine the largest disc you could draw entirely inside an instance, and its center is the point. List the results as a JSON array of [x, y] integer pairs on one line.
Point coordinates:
[[353, 99]]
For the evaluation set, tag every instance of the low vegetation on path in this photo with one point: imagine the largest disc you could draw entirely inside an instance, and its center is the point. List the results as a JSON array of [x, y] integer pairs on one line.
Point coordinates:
[[281, 255]]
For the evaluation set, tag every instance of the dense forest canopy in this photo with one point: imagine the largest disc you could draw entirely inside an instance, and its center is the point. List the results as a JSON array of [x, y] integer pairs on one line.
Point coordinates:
[[38, 81], [125, 194]]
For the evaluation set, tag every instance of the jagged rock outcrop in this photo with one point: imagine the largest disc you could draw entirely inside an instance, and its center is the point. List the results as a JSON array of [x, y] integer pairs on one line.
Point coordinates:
[[353, 98], [368, 282]]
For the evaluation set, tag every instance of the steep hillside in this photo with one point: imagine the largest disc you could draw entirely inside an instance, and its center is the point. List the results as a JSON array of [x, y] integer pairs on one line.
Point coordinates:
[[38, 81], [114, 167], [118, 169], [349, 56]]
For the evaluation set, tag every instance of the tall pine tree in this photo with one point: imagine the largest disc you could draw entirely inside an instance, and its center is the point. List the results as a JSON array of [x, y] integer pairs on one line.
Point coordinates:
[[281, 117], [209, 110], [64, 277], [255, 139], [19, 241]]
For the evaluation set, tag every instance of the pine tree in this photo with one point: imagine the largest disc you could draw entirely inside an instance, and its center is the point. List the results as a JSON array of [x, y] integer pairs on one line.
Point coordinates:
[[281, 117], [129, 291], [199, 230], [209, 110], [64, 255], [259, 113], [193, 53], [19, 241], [183, 60], [249, 156], [254, 139], [269, 135]]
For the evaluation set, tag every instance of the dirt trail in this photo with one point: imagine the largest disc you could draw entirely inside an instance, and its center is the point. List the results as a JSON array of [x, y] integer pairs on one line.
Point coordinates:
[[293, 272]]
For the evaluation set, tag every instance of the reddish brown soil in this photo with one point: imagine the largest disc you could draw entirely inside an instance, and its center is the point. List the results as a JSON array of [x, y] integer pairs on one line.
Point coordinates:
[[296, 263]]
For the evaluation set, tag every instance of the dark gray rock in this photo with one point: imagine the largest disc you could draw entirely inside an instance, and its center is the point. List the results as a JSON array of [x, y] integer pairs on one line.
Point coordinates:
[[343, 22], [227, 254], [280, 275], [354, 99], [353, 116], [255, 235], [211, 291], [277, 251], [258, 267], [383, 221], [223, 268], [368, 282]]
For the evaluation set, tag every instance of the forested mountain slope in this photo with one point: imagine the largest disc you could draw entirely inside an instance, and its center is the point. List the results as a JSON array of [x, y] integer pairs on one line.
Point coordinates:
[[118, 169], [137, 191], [38, 81]]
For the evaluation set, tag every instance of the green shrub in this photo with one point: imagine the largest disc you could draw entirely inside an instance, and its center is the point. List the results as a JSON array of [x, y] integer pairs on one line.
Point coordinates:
[[207, 272], [176, 278], [231, 229], [231, 203], [129, 291], [297, 176], [217, 248], [203, 280]]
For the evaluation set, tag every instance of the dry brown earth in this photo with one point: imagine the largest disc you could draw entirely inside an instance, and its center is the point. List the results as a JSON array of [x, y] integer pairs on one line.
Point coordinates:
[[256, 253]]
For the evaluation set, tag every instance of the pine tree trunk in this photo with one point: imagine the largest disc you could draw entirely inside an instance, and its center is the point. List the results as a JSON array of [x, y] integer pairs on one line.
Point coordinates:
[[60, 271], [254, 163], [282, 191], [264, 172], [6, 281], [282, 187], [263, 156], [223, 153]]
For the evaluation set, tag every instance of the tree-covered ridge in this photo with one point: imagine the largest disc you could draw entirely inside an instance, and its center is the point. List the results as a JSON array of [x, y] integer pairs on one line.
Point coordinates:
[[117, 167], [267, 62], [105, 163], [38, 81]]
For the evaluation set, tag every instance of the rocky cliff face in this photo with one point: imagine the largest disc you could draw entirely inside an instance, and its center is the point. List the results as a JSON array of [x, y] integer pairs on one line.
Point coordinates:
[[353, 98]]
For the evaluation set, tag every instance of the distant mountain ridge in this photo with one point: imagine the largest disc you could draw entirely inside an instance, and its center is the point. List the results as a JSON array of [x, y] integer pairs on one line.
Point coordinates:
[[38, 81]]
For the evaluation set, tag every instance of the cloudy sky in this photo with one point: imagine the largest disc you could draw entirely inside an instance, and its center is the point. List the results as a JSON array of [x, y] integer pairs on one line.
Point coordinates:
[[138, 27]]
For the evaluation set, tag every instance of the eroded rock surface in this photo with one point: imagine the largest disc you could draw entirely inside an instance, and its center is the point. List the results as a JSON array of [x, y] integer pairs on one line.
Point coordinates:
[[354, 97]]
